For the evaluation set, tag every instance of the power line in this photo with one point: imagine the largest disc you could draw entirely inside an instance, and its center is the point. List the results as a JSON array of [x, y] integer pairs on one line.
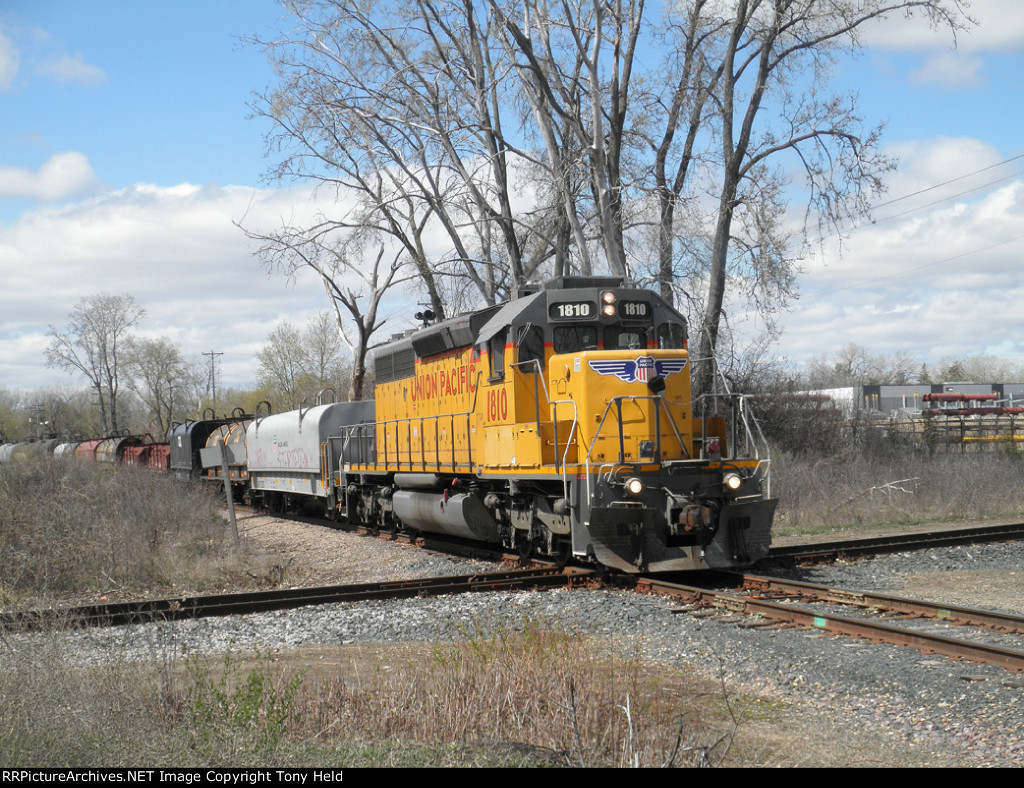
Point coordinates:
[[951, 180], [921, 267], [944, 199], [874, 222]]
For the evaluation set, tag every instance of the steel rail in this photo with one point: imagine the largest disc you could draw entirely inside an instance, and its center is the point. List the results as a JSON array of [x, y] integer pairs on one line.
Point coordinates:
[[871, 630], [898, 542], [121, 613], [953, 614]]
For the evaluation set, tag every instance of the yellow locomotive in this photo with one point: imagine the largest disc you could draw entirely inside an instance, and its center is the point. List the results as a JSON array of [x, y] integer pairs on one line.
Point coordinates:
[[560, 422]]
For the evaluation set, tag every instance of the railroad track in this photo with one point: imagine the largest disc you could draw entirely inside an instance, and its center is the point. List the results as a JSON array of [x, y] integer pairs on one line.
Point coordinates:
[[815, 552], [830, 551], [764, 595], [121, 613], [767, 600]]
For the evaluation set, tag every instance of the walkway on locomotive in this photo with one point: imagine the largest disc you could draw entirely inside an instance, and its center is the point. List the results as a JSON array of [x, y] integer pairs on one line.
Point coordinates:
[[580, 373]]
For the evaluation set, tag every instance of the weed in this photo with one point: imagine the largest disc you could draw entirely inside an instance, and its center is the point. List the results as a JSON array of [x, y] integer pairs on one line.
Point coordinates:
[[243, 710]]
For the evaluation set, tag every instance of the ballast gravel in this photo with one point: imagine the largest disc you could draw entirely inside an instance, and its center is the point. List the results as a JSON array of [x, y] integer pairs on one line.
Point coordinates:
[[944, 712]]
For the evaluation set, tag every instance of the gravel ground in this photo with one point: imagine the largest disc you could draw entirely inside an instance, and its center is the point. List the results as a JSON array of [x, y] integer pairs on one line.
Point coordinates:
[[847, 703]]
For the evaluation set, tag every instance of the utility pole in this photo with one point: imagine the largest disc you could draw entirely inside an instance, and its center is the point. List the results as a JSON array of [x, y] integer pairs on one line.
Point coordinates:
[[36, 417], [213, 377]]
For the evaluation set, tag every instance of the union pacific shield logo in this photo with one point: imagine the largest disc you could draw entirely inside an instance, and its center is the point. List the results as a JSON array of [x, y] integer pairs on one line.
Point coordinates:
[[641, 369]]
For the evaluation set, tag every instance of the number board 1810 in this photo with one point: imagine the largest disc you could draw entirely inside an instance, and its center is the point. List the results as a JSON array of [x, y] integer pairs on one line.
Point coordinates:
[[572, 310]]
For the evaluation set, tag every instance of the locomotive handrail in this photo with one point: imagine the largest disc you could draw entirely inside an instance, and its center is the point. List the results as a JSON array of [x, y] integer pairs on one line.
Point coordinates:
[[553, 405], [359, 430], [753, 444], [618, 406], [604, 416], [739, 412], [740, 409], [568, 441]]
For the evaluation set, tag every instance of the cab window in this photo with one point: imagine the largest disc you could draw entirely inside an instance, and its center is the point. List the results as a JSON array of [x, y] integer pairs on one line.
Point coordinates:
[[496, 355], [671, 336], [618, 338], [573, 339], [530, 348]]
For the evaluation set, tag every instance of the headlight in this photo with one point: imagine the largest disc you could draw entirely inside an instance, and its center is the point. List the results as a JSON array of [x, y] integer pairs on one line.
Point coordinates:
[[609, 310], [732, 481], [608, 297], [634, 486]]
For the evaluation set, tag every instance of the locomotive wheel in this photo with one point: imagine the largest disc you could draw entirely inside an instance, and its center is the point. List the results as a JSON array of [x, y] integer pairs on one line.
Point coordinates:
[[525, 549]]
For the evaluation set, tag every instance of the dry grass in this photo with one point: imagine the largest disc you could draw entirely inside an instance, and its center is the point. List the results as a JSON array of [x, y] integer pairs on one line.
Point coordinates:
[[541, 693], [818, 493], [70, 528], [55, 712], [536, 698]]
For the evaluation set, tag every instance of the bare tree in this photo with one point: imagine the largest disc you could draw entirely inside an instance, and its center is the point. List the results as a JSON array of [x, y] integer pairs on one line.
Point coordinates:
[[95, 344], [14, 425], [294, 366], [854, 365], [379, 114], [325, 350], [355, 277], [979, 369], [281, 368], [776, 58], [576, 61], [526, 132], [163, 379]]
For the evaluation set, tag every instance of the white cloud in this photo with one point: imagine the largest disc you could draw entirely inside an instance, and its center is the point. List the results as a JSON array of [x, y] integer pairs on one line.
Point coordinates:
[[953, 70], [8, 62], [177, 251], [944, 279], [61, 176], [72, 69], [1000, 28], [924, 163]]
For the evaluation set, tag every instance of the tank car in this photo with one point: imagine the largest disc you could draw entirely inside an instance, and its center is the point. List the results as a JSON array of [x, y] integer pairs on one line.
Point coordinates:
[[66, 449], [561, 422], [34, 448]]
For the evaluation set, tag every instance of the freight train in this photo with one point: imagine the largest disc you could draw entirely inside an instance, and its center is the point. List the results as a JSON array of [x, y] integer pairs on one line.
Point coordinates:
[[560, 422]]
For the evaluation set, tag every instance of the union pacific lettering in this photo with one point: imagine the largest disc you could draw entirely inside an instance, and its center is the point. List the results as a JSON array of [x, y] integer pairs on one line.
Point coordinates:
[[445, 383]]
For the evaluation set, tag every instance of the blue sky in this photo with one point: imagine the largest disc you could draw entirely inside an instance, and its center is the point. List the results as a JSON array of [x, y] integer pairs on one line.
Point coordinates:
[[126, 154], [151, 92]]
